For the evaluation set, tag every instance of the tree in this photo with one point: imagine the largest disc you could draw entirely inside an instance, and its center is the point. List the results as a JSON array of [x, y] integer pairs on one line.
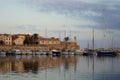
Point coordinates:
[[2, 42], [32, 40], [27, 40], [66, 39], [35, 39]]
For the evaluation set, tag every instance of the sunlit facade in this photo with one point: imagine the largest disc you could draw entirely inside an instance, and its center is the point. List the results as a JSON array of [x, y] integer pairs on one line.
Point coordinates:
[[49, 41], [6, 38], [19, 39]]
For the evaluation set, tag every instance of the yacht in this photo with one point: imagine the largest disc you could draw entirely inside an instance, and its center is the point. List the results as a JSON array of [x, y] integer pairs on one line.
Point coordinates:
[[56, 52], [106, 53]]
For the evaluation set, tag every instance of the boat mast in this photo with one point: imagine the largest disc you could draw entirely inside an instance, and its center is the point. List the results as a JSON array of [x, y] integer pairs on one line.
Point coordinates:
[[88, 44], [105, 30], [59, 36], [46, 42], [70, 35], [46, 32], [65, 33], [93, 39]]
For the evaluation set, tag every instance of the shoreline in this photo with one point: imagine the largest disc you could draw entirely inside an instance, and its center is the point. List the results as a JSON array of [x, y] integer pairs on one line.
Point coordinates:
[[37, 47]]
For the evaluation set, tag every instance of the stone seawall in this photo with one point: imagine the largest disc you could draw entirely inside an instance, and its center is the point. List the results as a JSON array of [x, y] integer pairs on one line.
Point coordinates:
[[39, 47], [7, 48]]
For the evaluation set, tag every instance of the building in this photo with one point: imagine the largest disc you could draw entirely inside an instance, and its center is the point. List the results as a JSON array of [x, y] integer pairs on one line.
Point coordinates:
[[49, 41], [1, 37], [18, 39], [28, 42], [6, 39]]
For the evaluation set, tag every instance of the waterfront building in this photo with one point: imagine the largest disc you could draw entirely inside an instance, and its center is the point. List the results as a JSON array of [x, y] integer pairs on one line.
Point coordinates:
[[6, 38], [1, 37], [45, 41], [19, 39], [34, 42], [70, 45]]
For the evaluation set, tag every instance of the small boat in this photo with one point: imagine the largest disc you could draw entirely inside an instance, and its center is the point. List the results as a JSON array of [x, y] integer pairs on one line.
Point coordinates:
[[23, 52], [68, 52], [13, 52], [78, 52], [106, 53], [28, 52], [16, 51], [56, 52], [3, 53], [87, 53], [10, 53], [36, 52], [65, 52], [44, 52]]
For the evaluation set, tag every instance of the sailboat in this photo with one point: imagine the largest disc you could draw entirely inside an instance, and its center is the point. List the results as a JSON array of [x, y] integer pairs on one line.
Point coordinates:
[[106, 52], [89, 51]]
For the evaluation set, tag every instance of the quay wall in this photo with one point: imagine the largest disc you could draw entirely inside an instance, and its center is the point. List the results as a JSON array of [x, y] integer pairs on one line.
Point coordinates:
[[10, 47], [39, 47]]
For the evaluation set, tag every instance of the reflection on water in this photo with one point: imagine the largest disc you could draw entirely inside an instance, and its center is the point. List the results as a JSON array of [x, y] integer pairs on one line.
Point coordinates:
[[67, 67], [25, 64]]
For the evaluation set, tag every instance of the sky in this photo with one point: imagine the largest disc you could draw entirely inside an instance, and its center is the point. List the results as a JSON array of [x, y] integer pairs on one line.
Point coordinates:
[[73, 17]]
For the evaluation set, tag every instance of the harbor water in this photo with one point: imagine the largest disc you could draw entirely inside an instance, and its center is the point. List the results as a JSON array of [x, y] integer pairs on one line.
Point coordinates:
[[65, 67]]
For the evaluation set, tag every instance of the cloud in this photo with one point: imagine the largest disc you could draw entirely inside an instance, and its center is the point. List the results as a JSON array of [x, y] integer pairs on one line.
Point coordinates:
[[62, 6], [25, 29], [77, 9]]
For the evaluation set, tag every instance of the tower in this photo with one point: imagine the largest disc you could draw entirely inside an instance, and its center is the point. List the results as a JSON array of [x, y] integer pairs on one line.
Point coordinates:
[[75, 39]]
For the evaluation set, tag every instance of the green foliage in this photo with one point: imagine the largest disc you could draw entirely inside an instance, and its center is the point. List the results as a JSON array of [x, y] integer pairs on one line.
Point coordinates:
[[2, 42], [32, 40], [66, 39]]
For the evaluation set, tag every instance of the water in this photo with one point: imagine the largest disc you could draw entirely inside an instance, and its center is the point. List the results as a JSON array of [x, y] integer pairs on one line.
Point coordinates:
[[68, 67]]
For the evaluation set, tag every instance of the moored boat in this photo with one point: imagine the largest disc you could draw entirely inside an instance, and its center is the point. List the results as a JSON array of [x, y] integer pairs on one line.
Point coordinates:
[[13, 52], [87, 53], [3, 53], [78, 52], [56, 52], [106, 53], [10, 53]]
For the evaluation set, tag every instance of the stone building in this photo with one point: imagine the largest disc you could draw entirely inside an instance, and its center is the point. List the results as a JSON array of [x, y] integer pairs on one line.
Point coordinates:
[[6, 38], [18, 39], [48, 41], [1, 37]]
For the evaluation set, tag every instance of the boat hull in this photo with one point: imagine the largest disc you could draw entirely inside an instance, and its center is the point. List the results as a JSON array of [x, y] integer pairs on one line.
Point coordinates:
[[10, 54], [56, 53], [107, 53]]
